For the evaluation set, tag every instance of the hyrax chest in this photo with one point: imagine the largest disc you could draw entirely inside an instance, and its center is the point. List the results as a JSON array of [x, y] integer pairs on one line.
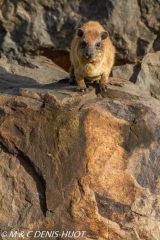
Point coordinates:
[[92, 71]]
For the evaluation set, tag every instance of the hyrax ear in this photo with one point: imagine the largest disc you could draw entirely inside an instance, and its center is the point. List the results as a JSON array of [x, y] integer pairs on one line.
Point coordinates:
[[104, 35], [80, 32]]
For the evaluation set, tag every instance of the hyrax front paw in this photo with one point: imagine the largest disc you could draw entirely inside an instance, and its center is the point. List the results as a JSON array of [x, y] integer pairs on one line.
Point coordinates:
[[82, 89], [103, 87], [81, 85]]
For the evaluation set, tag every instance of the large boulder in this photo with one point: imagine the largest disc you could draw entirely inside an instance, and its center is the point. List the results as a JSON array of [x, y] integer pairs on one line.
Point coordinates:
[[73, 161], [146, 74], [149, 75], [126, 71], [27, 26]]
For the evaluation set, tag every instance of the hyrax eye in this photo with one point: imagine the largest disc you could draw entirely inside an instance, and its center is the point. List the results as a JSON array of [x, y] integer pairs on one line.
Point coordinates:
[[83, 44], [98, 44]]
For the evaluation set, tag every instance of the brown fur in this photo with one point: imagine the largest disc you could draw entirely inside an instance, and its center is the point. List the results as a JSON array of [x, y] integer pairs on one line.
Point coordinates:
[[97, 67]]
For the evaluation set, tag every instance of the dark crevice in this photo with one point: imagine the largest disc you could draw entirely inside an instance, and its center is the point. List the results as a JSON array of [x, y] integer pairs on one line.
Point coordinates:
[[4, 148], [141, 48], [43, 105], [36, 176], [2, 116], [21, 61], [108, 207], [143, 18], [141, 215], [133, 132], [40, 184], [134, 121], [81, 107], [136, 70], [156, 44], [69, 210], [139, 4], [80, 187]]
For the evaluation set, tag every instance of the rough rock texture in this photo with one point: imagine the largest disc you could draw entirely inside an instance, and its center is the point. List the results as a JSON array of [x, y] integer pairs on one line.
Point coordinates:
[[149, 75], [29, 25], [145, 74], [126, 71], [78, 161]]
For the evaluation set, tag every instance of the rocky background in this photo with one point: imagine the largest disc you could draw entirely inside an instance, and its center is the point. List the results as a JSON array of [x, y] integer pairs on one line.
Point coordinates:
[[72, 161], [39, 27]]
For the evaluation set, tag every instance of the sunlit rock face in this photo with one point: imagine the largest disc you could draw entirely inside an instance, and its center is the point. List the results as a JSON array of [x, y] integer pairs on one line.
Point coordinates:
[[72, 161], [28, 26]]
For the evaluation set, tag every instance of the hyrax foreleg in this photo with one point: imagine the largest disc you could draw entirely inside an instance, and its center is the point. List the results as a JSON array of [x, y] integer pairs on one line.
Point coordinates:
[[81, 84], [104, 80], [72, 79]]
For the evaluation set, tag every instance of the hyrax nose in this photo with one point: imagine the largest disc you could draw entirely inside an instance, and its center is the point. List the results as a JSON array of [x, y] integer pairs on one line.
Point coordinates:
[[89, 54]]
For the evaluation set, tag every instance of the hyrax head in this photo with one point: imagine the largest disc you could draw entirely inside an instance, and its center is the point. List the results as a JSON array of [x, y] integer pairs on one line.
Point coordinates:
[[91, 42]]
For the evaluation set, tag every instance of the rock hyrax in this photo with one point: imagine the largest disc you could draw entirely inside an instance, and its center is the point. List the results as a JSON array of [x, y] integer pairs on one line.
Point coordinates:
[[92, 55]]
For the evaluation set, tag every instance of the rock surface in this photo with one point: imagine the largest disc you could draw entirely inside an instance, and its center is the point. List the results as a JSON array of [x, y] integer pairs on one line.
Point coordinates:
[[75, 161], [149, 75], [126, 72], [145, 74], [29, 25]]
